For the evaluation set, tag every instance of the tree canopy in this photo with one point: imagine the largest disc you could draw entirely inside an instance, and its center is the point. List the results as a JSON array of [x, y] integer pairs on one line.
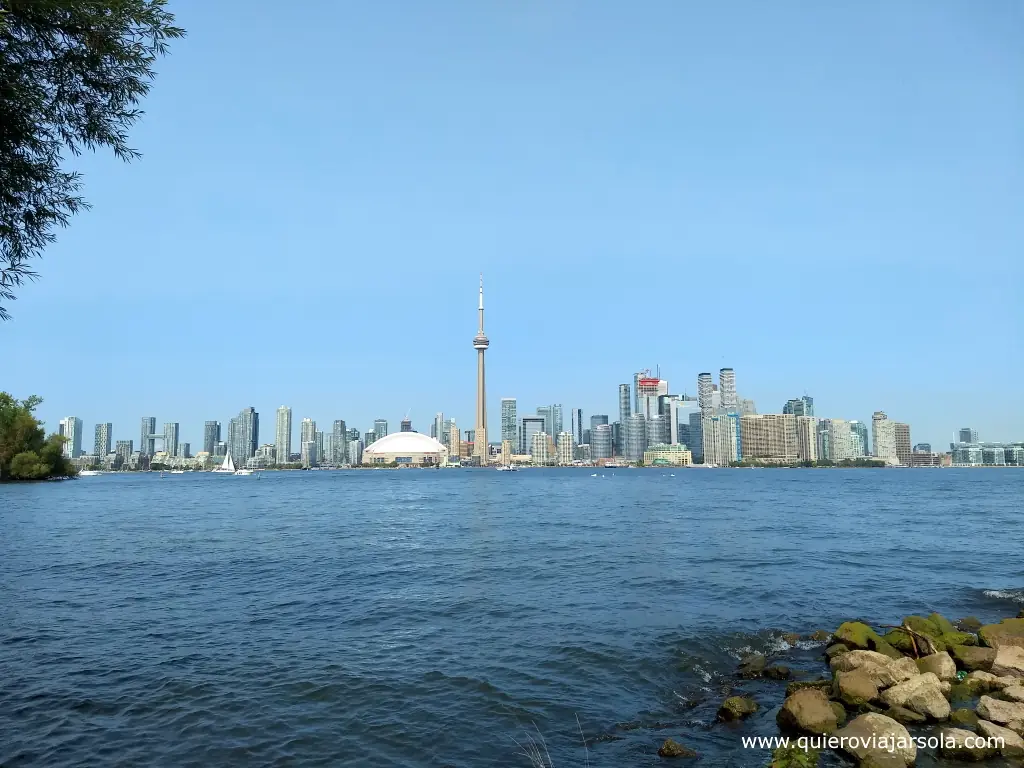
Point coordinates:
[[72, 73], [26, 453]]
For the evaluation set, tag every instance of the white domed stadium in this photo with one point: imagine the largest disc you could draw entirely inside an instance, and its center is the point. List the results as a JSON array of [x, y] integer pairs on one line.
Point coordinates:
[[409, 448]]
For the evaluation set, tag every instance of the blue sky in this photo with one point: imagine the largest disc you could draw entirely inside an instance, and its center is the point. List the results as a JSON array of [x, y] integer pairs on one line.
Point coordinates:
[[827, 197]]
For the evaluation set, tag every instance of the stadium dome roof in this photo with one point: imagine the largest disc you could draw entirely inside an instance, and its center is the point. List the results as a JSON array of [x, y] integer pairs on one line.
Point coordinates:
[[403, 443]]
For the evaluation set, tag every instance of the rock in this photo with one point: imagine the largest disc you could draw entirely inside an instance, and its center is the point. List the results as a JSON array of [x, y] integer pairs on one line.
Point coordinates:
[[1006, 632], [1017, 726], [791, 637], [1001, 712], [920, 694], [857, 636], [943, 624], [965, 718], [793, 757], [969, 624], [882, 760], [835, 650], [946, 687], [807, 711], [923, 626], [737, 708], [751, 665], [1009, 661], [855, 688], [905, 716], [820, 635], [1014, 692], [777, 672], [863, 737], [990, 681], [840, 711], [1013, 744], [899, 639], [940, 664], [971, 659], [799, 685], [959, 638], [857, 659], [888, 650], [672, 748], [883, 670], [955, 743]]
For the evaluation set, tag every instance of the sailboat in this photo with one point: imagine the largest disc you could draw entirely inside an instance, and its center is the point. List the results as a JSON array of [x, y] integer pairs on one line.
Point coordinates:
[[228, 467]]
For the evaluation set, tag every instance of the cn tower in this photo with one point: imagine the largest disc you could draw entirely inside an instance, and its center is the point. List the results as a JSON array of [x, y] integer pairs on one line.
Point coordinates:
[[480, 344]]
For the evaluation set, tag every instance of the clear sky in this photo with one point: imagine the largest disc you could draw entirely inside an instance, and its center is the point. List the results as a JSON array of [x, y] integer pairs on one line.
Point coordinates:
[[828, 197]]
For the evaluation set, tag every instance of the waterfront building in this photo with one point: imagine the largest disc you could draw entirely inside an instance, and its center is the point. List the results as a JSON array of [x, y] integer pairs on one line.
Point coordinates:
[[325, 447], [353, 434], [406, 448], [860, 443], [769, 437], [924, 458], [636, 437], [667, 456], [480, 344], [657, 430], [171, 434], [806, 438], [883, 438], [727, 389], [564, 448], [901, 437], [211, 436], [677, 409], [509, 426], [339, 442], [696, 436], [583, 453], [71, 428], [597, 419], [507, 451], [266, 454], [705, 390], [320, 454], [577, 425], [722, 438], [380, 429], [967, 435], [529, 426], [308, 454], [222, 449], [796, 407], [102, 440], [625, 406], [354, 450], [454, 443], [232, 436], [405, 425], [147, 436], [437, 428], [840, 439], [247, 435], [283, 435], [601, 442], [123, 450], [539, 445], [307, 431], [185, 450], [923, 448]]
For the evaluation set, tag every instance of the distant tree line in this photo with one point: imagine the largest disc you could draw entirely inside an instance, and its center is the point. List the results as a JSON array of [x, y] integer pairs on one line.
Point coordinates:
[[864, 461]]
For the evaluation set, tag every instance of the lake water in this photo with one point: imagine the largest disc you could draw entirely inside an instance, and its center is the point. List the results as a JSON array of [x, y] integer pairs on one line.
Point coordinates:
[[431, 618]]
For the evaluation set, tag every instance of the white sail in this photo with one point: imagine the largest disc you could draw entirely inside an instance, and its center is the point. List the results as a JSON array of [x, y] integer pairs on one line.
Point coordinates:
[[227, 466]]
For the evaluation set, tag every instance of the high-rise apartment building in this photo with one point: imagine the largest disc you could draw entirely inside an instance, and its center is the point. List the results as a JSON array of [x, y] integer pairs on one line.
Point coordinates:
[[860, 442], [123, 450], [795, 407], [283, 435], [577, 425], [102, 440], [71, 428], [657, 430], [437, 428], [531, 425], [705, 390], [380, 428], [171, 434], [601, 442], [307, 431], [967, 435], [625, 405], [806, 438], [185, 450], [321, 453], [564, 448], [768, 437], [232, 441], [308, 454], [211, 436], [552, 415], [840, 439], [147, 436], [247, 435], [454, 441], [405, 425], [539, 448], [596, 419], [901, 437], [883, 438], [696, 436], [635, 442], [354, 449], [727, 389], [722, 438], [509, 426], [339, 442]]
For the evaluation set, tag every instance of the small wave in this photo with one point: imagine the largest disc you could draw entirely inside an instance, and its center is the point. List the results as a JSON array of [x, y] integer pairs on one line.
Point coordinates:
[[1016, 595], [806, 645]]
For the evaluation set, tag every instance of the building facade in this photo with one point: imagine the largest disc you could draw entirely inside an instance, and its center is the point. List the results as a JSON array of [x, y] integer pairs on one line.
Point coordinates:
[[564, 448], [509, 421], [635, 441], [705, 394], [883, 438], [667, 456], [769, 437], [727, 389], [171, 436], [102, 440], [531, 425], [211, 436], [283, 435], [71, 429], [339, 442], [380, 428], [806, 438], [147, 436], [601, 442]]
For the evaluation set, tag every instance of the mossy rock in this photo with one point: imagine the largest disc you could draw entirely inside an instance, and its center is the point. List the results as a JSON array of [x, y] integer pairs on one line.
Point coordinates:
[[924, 626], [777, 672], [752, 665], [672, 748], [899, 640], [887, 649], [857, 635], [969, 624], [792, 756], [791, 637], [950, 639], [737, 708], [945, 626], [819, 635], [835, 650], [840, 711], [1006, 632], [973, 658], [798, 685], [964, 718], [967, 690]]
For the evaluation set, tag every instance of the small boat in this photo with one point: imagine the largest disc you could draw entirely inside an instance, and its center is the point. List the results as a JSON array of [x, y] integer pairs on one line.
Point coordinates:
[[594, 475], [508, 468], [228, 467], [89, 473], [243, 472], [177, 471]]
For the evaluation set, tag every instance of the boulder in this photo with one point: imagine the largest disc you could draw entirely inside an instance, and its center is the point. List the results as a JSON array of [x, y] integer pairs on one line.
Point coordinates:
[[920, 694], [1013, 744], [864, 736], [1006, 632], [923, 626], [1014, 692], [792, 756], [820, 635], [792, 638], [855, 688], [971, 658], [777, 672], [969, 624], [940, 664], [857, 636], [751, 665], [737, 708], [807, 711], [672, 748], [959, 638], [1017, 726], [1001, 712], [885, 648], [943, 624], [964, 718], [990, 681], [955, 743], [883, 670], [905, 716], [799, 685], [835, 650], [1009, 661], [840, 711], [946, 687]]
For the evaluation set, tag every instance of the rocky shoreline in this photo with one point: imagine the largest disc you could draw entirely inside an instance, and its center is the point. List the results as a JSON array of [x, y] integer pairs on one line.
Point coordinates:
[[925, 682]]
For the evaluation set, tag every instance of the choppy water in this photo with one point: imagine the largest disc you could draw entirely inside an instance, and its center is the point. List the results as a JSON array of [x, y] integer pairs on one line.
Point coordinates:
[[429, 618]]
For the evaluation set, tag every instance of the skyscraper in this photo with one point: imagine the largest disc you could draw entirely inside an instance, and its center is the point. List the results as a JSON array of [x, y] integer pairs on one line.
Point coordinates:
[[808, 405], [860, 442], [577, 425], [967, 435], [437, 428], [248, 434], [883, 438], [552, 415], [283, 435], [796, 407], [530, 427], [405, 425], [480, 344], [321, 453], [727, 388], [211, 436], [171, 432], [185, 450], [123, 448], [232, 440], [625, 407], [307, 431], [147, 440], [901, 437], [636, 437], [595, 420], [102, 440], [705, 390], [601, 442], [509, 426], [380, 428], [71, 428], [657, 430], [564, 448], [339, 442]]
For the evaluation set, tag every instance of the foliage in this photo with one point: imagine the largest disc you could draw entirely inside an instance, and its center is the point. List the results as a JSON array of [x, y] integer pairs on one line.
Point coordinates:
[[26, 453], [72, 73]]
